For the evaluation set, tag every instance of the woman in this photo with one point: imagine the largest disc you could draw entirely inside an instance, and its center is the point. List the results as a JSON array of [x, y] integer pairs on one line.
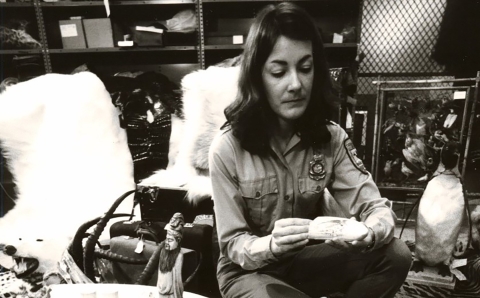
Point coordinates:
[[270, 167]]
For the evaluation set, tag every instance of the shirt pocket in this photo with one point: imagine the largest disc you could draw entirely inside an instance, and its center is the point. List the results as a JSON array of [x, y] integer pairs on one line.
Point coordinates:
[[311, 193], [261, 197]]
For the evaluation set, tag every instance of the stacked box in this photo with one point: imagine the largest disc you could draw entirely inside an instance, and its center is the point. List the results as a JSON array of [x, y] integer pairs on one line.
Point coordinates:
[[73, 36]]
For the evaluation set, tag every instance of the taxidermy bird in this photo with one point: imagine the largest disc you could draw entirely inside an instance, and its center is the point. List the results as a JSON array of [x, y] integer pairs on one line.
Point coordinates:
[[387, 169], [419, 158], [69, 159], [440, 214]]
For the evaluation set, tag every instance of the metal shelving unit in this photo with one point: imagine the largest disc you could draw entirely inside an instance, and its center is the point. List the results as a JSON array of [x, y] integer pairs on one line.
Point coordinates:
[[239, 47], [109, 50], [223, 19], [43, 36], [116, 3], [44, 10]]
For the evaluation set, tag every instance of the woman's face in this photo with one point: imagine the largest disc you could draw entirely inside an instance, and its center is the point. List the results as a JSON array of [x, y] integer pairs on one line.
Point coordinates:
[[288, 78]]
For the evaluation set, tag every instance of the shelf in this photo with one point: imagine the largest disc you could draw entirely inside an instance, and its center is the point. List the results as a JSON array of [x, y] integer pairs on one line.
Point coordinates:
[[124, 50], [20, 52], [218, 45], [240, 47], [224, 47], [341, 45], [115, 3], [226, 1], [16, 4]]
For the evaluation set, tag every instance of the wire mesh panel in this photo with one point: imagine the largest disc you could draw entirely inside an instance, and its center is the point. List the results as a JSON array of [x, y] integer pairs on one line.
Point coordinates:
[[398, 36]]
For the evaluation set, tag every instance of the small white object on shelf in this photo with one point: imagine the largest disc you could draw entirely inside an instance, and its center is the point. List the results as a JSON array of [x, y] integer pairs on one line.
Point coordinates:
[[237, 39], [125, 43]]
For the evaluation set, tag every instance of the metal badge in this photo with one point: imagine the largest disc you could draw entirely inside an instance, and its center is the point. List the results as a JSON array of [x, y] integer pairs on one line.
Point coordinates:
[[317, 167]]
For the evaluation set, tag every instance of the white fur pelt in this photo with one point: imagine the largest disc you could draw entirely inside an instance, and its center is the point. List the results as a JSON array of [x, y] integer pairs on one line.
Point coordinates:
[[69, 159], [206, 94]]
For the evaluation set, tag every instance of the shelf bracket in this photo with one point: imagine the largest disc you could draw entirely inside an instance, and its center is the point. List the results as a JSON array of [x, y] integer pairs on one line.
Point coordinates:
[[43, 36], [200, 34]]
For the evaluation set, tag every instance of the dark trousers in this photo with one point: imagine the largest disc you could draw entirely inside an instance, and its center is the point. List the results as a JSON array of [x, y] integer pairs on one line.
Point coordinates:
[[319, 270]]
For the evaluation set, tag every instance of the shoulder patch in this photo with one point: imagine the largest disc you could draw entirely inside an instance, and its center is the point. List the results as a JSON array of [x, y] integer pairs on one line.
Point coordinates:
[[352, 154]]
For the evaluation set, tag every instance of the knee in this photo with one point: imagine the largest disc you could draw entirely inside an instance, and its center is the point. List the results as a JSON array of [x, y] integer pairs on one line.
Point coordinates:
[[399, 257]]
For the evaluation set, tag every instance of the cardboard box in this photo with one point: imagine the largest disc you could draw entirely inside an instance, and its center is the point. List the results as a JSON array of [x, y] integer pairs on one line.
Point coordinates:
[[73, 36], [98, 33], [148, 36]]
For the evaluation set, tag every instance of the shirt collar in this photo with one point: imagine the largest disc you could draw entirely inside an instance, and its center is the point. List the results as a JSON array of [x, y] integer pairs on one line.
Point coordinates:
[[291, 144]]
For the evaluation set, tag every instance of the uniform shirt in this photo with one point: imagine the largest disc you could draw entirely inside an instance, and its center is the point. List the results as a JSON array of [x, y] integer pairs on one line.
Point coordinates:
[[251, 192]]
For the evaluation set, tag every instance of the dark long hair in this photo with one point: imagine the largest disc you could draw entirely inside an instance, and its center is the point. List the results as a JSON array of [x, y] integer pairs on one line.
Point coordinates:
[[250, 114]]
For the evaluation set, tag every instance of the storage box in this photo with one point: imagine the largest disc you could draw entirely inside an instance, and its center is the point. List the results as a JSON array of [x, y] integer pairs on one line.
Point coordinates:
[[146, 36], [73, 36], [179, 39], [98, 33]]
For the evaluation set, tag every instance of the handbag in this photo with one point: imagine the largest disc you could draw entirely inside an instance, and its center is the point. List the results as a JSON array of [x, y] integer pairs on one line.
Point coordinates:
[[157, 206], [131, 267]]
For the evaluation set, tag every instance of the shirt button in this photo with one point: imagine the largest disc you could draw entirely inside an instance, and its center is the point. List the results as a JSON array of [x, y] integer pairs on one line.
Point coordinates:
[[286, 197], [257, 194], [319, 187]]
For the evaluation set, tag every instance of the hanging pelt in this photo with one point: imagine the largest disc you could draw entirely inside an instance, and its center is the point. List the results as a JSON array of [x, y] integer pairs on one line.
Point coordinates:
[[69, 159], [206, 93]]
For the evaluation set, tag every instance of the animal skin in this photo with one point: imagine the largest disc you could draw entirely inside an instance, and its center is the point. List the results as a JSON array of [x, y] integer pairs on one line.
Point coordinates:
[[206, 93], [69, 158]]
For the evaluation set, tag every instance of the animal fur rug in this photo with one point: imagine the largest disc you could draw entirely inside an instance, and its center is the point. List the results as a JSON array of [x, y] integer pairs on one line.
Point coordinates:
[[206, 93], [69, 158]]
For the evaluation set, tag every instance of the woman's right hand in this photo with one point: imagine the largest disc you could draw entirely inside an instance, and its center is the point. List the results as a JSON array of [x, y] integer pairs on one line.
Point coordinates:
[[289, 234]]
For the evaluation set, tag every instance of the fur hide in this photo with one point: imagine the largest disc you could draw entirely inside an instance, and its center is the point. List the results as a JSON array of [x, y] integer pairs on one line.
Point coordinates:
[[69, 158], [206, 93]]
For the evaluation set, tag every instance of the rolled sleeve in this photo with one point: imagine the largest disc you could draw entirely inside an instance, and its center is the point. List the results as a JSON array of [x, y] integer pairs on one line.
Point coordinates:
[[237, 243], [357, 194]]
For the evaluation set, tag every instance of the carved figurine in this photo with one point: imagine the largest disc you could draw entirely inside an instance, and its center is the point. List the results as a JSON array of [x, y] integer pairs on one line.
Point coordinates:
[[169, 281]]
